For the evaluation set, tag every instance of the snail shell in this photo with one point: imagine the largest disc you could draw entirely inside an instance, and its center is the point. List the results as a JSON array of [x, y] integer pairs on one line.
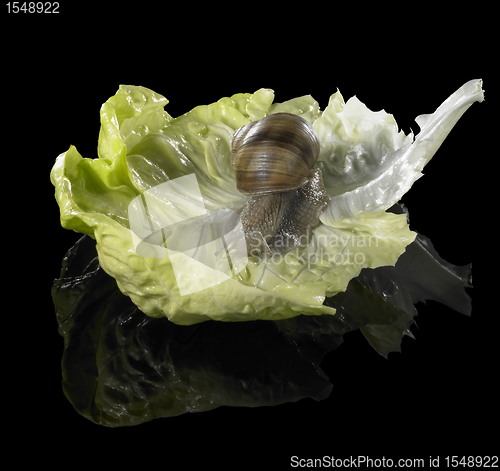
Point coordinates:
[[274, 154], [272, 159]]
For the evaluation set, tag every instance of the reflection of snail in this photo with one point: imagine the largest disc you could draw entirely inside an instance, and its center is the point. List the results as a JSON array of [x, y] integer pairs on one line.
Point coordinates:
[[272, 159]]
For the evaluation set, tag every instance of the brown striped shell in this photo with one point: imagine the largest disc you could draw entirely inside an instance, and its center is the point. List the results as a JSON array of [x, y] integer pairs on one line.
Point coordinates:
[[274, 154]]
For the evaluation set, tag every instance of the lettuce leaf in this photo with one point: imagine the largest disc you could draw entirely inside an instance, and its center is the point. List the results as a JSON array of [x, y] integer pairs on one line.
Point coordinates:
[[367, 165], [121, 367]]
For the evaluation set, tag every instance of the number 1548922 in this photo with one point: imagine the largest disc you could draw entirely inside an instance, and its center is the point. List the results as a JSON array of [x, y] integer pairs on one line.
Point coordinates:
[[32, 7]]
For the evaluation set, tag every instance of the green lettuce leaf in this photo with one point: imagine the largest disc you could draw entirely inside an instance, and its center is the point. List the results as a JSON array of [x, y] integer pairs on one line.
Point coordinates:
[[368, 165], [121, 367], [142, 148]]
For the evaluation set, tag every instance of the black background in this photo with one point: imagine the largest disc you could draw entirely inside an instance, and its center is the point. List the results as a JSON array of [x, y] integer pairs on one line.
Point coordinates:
[[437, 397]]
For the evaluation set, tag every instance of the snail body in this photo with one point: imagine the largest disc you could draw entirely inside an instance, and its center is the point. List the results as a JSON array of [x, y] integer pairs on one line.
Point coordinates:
[[272, 159]]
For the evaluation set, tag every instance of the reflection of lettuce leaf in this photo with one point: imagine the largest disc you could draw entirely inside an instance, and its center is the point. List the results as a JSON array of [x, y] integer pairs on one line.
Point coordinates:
[[420, 274], [121, 367], [366, 162]]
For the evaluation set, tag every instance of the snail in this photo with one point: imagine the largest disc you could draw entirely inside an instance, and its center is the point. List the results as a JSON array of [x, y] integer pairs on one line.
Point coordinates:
[[272, 159]]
